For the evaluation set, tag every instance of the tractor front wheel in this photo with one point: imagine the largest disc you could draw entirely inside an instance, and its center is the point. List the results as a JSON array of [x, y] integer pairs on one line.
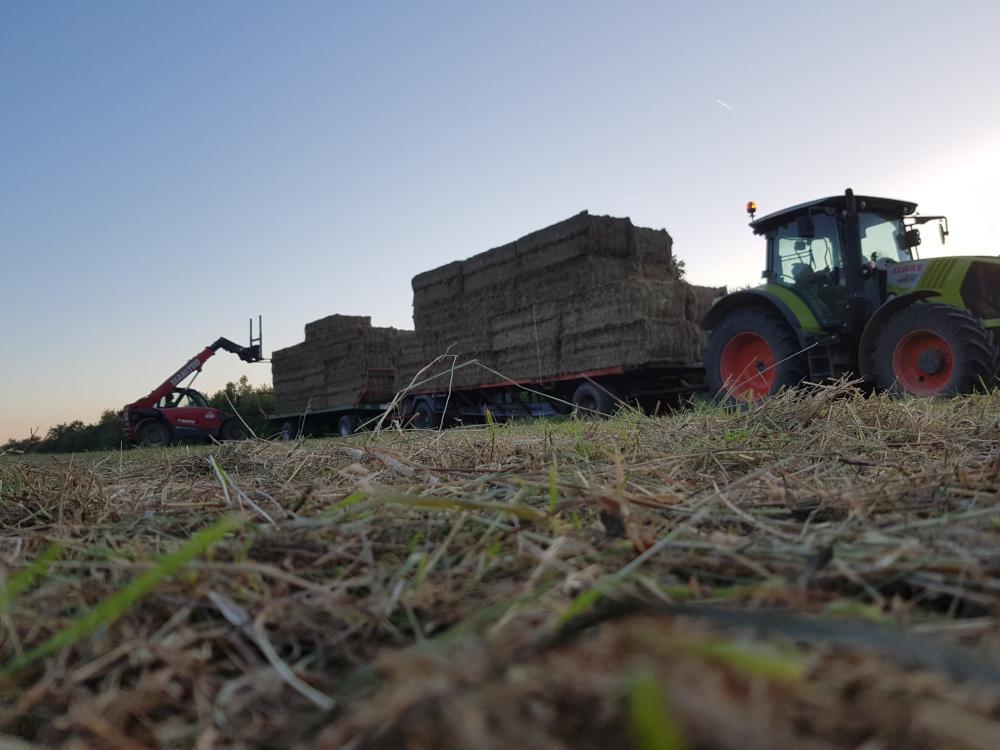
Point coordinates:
[[751, 354], [933, 350]]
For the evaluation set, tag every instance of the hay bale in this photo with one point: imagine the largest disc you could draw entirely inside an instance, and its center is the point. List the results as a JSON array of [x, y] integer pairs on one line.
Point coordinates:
[[331, 367]]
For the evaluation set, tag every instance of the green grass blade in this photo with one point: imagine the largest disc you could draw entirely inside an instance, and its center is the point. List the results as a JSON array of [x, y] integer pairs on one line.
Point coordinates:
[[653, 724], [114, 606], [757, 660], [553, 489]]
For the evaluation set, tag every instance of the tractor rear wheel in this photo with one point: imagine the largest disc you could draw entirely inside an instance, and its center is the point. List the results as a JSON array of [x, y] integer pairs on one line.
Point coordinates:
[[153, 435], [753, 353], [933, 350], [233, 429]]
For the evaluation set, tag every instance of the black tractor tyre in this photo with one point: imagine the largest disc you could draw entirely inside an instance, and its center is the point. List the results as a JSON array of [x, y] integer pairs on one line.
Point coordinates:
[[347, 425], [751, 354], [591, 400], [423, 417], [153, 434], [233, 429], [933, 350]]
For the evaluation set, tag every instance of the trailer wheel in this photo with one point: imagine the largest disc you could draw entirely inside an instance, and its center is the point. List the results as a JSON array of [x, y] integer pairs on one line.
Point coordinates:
[[423, 417], [233, 429], [590, 400], [347, 425], [153, 434]]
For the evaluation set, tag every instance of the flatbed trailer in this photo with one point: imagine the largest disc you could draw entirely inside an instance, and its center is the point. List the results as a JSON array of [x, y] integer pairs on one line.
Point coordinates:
[[652, 387]]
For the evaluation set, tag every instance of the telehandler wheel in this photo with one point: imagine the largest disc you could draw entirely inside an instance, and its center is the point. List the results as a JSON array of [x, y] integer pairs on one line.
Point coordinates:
[[233, 429], [753, 353], [590, 400], [347, 425], [933, 350], [153, 434]]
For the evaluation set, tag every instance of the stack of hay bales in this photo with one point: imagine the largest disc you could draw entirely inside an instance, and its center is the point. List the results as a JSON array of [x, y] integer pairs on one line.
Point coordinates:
[[330, 368], [588, 293]]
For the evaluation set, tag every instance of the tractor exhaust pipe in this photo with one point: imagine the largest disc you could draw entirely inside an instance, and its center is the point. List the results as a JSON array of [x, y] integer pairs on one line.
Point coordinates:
[[857, 303]]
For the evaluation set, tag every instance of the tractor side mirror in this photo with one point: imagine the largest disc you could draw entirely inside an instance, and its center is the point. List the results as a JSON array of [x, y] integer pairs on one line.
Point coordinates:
[[805, 227], [911, 238]]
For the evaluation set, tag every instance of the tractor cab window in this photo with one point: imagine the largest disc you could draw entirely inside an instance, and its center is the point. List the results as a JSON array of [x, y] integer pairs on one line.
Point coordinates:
[[882, 238], [801, 258], [807, 257]]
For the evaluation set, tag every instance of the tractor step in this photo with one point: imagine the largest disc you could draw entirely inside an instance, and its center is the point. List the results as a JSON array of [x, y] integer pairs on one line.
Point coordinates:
[[828, 359]]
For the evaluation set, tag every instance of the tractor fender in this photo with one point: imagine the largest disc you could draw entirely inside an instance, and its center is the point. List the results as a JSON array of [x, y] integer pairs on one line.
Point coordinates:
[[752, 298], [878, 321]]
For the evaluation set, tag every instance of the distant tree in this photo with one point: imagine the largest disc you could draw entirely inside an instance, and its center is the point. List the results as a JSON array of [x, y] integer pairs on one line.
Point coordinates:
[[678, 266], [252, 403]]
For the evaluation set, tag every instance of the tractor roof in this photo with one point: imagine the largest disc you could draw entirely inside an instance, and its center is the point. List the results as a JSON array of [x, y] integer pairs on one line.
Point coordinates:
[[865, 202]]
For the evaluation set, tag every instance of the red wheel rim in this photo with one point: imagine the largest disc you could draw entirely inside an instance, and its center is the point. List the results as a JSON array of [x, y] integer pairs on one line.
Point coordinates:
[[923, 363], [747, 367]]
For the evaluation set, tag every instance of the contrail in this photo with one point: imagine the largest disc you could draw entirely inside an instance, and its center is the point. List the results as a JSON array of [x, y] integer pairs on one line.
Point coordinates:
[[723, 104]]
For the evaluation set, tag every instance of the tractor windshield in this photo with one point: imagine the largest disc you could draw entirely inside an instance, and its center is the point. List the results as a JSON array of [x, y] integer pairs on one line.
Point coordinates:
[[882, 238]]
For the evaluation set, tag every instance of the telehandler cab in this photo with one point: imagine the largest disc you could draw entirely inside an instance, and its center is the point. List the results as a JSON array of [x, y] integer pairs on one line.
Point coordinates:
[[845, 292]]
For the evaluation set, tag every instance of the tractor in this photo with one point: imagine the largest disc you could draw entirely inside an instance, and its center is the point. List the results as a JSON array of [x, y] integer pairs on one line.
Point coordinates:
[[845, 293]]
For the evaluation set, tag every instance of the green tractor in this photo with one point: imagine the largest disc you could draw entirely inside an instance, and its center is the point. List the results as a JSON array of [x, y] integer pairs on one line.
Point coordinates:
[[845, 292]]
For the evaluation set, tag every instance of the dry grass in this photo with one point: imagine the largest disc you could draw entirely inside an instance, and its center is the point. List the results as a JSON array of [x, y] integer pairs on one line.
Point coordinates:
[[822, 571]]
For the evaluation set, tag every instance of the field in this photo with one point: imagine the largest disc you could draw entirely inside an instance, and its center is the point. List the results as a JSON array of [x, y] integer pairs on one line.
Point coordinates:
[[821, 571]]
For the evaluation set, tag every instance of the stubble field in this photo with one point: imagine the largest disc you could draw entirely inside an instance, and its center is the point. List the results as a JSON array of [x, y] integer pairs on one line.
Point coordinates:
[[820, 571]]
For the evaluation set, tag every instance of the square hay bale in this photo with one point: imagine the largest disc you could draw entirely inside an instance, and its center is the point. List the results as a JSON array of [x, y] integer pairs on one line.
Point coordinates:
[[330, 368]]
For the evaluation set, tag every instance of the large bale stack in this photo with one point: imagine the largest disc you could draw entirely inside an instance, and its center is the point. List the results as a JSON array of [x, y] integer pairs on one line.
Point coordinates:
[[331, 367], [588, 293]]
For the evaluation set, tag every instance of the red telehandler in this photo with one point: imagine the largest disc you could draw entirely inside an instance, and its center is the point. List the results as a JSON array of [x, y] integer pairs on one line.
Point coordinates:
[[170, 412]]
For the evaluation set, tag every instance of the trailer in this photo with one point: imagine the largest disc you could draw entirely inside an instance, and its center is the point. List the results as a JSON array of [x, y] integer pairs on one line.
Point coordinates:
[[652, 387], [579, 316]]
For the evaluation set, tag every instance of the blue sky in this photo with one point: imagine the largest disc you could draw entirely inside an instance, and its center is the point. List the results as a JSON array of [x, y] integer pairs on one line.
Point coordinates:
[[169, 169]]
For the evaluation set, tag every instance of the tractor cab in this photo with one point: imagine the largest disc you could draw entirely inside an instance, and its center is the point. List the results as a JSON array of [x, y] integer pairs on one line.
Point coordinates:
[[834, 259]]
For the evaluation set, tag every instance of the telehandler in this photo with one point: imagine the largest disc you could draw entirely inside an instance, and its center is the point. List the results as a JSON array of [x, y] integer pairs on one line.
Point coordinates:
[[170, 413]]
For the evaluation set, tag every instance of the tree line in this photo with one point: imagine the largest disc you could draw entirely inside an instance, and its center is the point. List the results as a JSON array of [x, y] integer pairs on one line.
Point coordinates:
[[252, 403]]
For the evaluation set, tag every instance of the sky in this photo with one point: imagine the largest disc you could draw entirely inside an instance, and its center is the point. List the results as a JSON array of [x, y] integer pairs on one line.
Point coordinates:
[[170, 169]]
